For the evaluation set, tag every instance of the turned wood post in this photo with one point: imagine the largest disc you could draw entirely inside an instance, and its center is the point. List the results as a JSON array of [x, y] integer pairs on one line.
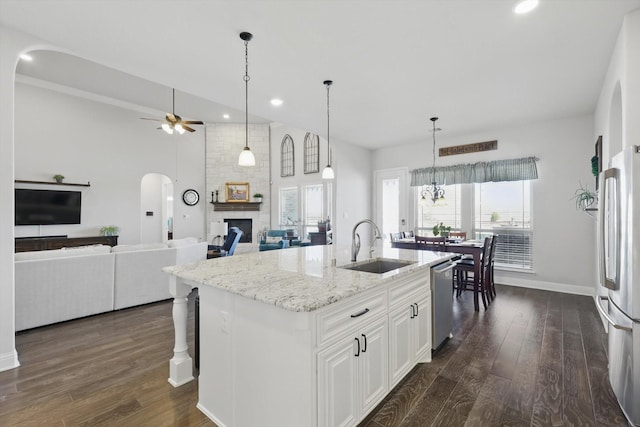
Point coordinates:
[[180, 366]]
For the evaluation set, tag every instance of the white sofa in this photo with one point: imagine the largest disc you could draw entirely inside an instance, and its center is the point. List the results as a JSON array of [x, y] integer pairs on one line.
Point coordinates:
[[64, 284]]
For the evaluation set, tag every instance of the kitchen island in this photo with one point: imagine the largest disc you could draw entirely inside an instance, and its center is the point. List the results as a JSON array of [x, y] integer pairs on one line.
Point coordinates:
[[291, 338]]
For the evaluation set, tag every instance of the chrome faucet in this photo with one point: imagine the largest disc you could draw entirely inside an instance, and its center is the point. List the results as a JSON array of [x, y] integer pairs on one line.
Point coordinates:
[[355, 239]]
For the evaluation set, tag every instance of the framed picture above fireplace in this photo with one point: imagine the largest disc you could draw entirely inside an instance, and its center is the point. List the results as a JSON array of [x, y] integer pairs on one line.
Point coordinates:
[[237, 192]]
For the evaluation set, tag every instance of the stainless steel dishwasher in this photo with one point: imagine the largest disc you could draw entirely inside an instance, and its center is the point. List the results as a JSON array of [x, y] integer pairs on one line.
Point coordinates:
[[442, 304]]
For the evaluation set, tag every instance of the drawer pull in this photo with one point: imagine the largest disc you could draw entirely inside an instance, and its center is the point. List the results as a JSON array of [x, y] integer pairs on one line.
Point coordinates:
[[365, 311]]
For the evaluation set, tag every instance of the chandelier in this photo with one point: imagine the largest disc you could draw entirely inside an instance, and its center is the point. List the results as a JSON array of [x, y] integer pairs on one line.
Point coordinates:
[[434, 192]]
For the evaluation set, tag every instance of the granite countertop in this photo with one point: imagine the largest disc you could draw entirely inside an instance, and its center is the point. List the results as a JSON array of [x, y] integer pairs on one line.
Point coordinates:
[[299, 279]]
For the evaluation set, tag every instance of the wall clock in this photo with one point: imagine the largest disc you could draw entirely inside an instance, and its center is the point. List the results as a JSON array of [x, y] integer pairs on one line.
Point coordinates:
[[190, 197]]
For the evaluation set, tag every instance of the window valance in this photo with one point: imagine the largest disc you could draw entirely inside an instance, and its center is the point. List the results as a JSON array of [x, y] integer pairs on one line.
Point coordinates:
[[497, 170]]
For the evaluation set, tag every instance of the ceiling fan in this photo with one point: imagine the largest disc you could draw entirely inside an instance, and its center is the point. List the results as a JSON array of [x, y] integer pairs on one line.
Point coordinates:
[[173, 122]]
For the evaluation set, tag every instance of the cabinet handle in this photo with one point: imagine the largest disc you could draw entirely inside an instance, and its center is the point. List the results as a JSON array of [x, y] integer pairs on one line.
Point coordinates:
[[358, 353], [364, 350], [413, 312], [417, 309], [365, 311]]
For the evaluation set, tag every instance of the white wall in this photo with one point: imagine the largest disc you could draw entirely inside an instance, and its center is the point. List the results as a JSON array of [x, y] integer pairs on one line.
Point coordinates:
[[354, 190], [12, 44], [110, 147], [564, 238]]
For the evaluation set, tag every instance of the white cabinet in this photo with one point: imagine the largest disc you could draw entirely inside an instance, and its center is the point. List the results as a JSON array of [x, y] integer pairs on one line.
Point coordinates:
[[352, 375], [409, 335]]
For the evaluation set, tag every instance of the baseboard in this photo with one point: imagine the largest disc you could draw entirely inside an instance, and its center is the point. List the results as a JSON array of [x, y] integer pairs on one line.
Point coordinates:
[[547, 286], [9, 361], [210, 415]]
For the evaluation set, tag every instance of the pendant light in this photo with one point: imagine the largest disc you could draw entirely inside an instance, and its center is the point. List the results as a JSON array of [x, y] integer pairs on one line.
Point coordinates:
[[327, 172], [435, 192], [246, 156]]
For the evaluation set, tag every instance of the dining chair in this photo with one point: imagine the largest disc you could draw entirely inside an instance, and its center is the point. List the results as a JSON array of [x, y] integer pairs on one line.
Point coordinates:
[[408, 234], [431, 243], [491, 285], [464, 273], [458, 235], [395, 236]]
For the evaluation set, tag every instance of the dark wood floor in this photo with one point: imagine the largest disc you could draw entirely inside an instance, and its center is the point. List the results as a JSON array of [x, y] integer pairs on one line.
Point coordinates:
[[535, 358]]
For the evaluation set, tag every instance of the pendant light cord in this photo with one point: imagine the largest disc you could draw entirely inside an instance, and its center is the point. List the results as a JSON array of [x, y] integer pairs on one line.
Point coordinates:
[[328, 84], [434, 151], [246, 93]]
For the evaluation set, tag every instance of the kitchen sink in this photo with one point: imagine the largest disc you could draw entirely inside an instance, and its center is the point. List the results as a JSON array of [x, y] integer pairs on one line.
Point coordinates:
[[378, 265]]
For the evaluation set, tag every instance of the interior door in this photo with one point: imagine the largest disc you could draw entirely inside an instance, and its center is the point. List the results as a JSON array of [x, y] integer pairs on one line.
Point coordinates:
[[391, 202]]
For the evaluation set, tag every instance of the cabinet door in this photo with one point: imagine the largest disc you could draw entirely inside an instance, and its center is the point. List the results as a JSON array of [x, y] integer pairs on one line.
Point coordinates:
[[401, 338], [422, 325], [337, 385], [373, 368]]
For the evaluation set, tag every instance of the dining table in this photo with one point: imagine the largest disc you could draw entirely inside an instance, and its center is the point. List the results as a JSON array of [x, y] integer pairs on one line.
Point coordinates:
[[464, 247]]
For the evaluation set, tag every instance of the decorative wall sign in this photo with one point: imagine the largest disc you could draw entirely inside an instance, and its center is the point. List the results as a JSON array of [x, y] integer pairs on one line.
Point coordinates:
[[468, 148]]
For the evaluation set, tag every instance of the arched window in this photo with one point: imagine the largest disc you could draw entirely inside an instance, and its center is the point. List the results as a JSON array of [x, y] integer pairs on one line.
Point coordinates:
[[311, 153], [287, 163]]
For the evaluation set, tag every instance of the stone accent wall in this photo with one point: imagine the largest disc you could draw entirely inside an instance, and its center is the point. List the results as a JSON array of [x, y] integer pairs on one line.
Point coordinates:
[[224, 142]]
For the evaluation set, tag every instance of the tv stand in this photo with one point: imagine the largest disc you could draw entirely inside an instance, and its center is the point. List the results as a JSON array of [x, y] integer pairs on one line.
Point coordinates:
[[43, 243]]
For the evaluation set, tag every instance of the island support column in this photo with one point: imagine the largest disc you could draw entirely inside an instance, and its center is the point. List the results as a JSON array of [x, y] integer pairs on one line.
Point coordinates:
[[180, 366]]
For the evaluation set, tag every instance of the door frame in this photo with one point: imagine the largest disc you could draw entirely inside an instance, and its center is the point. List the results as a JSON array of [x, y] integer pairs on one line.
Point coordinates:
[[405, 213]]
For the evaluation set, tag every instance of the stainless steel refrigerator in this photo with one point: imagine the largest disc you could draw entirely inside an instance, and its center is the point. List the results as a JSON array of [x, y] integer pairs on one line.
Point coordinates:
[[619, 258]]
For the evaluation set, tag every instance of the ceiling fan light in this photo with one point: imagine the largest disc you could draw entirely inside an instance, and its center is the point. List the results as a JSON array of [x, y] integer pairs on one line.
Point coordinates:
[[327, 173], [167, 128], [246, 158], [178, 127]]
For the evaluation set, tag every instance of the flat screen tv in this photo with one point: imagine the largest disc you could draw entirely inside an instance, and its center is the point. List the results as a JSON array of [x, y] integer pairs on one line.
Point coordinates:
[[43, 207]]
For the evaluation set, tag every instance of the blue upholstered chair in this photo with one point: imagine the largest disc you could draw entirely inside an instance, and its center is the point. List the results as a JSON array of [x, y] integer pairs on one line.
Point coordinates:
[[233, 237], [275, 239]]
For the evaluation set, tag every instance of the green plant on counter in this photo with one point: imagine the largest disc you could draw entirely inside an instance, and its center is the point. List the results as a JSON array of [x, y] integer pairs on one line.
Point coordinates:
[[109, 230], [258, 195], [441, 229], [584, 197], [58, 178]]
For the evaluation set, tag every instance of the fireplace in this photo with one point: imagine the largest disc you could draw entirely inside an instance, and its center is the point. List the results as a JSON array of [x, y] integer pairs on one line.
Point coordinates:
[[244, 224]]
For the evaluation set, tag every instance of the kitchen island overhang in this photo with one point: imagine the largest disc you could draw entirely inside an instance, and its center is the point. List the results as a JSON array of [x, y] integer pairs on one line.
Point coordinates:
[[267, 319]]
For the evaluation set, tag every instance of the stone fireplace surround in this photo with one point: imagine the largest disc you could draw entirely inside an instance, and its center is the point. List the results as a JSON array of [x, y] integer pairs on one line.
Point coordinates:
[[224, 141]]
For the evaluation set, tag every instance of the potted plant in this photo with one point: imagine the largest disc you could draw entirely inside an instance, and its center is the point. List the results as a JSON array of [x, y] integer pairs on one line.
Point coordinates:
[[257, 197], [584, 197], [58, 178], [109, 230], [441, 229]]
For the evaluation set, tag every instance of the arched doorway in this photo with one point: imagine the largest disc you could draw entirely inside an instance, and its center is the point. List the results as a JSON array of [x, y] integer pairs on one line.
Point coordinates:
[[156, 208]]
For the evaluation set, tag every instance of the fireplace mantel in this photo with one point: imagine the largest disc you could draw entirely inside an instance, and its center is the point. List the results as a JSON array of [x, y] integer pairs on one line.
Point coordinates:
[[236, 206]]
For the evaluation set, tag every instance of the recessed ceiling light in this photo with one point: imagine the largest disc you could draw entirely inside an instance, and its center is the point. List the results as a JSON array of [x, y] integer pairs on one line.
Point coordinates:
[[276, 102], [225, 116], [525, 6], [26, 57]]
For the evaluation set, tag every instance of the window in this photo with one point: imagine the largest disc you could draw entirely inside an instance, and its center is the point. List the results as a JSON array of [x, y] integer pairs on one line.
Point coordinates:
[[287, 157], [447, 211], [312, 204], [311, 153], [504, 208]]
